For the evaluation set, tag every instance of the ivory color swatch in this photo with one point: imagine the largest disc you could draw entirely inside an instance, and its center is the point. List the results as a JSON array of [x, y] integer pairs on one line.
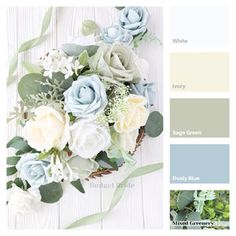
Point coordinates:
[[204, 72], [199, 118], [199, 26], [199, 163]]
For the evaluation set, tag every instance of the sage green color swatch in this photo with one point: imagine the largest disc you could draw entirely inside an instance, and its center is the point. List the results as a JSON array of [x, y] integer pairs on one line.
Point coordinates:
[[199, 118]]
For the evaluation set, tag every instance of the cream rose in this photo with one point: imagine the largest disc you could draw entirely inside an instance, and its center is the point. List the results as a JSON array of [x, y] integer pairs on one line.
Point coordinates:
[[87, 138], [47, 129], [135, 116]]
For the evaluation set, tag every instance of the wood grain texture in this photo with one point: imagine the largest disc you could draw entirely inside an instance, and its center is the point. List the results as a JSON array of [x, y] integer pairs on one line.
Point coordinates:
[[141, 205]]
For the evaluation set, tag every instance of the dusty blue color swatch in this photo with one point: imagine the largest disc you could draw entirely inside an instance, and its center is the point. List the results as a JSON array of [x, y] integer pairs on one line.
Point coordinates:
[[199, 163]]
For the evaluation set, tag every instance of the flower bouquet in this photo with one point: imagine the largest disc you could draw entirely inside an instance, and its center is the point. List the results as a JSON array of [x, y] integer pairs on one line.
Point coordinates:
[[84, 110]]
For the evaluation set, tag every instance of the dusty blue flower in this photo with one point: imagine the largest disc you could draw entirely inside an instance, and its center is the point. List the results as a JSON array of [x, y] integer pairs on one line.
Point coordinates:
[[134, 19], [145, 89], [34, 171], [114, 34], [86, 97]]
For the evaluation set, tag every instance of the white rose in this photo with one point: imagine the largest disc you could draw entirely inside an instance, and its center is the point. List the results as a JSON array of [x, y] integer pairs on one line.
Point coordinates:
[[87, 139], [47, 129], [23, 202], [128, 140]]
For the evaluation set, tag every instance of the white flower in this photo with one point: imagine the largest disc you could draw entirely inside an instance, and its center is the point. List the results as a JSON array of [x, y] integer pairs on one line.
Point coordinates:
[[47, 129], [87, 138], [57, 61], [128, 140], [57, 170], [23, 202]]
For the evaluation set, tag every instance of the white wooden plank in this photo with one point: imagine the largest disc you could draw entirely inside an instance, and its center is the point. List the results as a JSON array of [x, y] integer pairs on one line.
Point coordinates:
[[12, 16]]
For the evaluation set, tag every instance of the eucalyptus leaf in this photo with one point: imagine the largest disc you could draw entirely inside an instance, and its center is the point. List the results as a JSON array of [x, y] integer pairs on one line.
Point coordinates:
[[30, 84], [9, 184], [60, 78], [18, 142], [13, 160], [154, 125], [11, 170], [119, 8], [184, 199], [51, 192], [19, 183], [194, 216], [180, 216], [20, 145], [89, 27], [105, 162], [77, 184], [75, 50]]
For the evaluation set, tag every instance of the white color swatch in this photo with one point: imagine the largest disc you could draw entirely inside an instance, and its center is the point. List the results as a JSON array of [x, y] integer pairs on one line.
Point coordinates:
[[199, 26]]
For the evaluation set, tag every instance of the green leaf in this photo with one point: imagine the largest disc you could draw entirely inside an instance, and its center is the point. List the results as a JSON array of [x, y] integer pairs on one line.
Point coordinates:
[[60, 79], [118, 161], [9, 184], [83, 58], [30, 84], [20, 144], [17, 142], [193, 216], [77, 184], [11, 170], [19, 183], [75, 50], [154, 125], [51, 192], [31, 68], [185, 198], [105, 162], [89, 27], [119, 8], [13, 160]]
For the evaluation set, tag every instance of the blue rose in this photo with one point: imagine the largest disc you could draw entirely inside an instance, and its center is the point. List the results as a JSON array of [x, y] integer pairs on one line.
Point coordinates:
[[145, 89], [134, 19], [86, 97], [114, 34], [34, 171]]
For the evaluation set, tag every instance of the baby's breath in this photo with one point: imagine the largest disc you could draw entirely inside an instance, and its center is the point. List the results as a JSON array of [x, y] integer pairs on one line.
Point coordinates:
[[117, 104]]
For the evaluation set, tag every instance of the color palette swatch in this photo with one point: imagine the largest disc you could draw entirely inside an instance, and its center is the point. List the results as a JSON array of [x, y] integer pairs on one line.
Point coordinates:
[[199, 26], [199, 118], [203, 72], [199, 163]]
